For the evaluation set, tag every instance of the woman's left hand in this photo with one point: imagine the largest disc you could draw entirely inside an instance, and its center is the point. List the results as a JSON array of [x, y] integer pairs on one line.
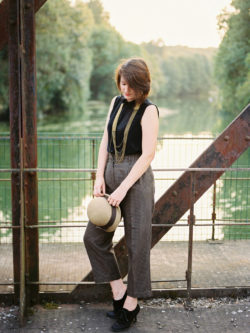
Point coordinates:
[[116, 197]]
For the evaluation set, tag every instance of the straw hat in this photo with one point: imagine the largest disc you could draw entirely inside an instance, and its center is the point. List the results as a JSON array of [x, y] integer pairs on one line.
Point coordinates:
[[102, 214]]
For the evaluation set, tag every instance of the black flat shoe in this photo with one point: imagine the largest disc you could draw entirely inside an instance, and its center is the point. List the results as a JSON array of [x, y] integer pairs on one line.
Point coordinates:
[[117, 306], [125, 319]]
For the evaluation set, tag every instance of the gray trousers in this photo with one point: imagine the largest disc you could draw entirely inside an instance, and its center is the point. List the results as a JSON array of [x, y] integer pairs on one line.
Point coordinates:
[[137, 210]]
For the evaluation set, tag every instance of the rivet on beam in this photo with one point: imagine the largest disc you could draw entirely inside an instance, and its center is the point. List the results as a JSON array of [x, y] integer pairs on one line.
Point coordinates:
[[247, 138], [174, 193], [226, 138]]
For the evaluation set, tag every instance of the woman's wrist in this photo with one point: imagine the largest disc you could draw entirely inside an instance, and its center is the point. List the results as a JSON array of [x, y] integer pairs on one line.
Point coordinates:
[[99, 175], [125, 186]]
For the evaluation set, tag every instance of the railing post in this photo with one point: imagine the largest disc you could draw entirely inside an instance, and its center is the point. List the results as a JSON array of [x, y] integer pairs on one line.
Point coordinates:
[[15, 132], [191, 221], [214, 213], [23, 308], [93, 174], [29, 136]]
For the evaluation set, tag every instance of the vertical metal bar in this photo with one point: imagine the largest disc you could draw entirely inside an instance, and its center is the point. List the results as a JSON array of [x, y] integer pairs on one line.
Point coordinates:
[[23, 311], [28, 71], [191, 221], [15, 131], [214, 213], [93, 175], [60, 186]]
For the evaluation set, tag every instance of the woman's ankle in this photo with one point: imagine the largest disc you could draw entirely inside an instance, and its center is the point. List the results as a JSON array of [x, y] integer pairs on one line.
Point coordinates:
[[118, 294], [118, 289], [130, 303]]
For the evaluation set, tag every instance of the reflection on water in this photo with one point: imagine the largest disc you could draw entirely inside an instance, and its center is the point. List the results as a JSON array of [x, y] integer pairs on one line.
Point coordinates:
[[180, 152], [64, 201], [174, 152], [176, 117]]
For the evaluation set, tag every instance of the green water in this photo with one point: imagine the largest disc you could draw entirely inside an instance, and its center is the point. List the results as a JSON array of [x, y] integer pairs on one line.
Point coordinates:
[[177, 117], [61, 194]]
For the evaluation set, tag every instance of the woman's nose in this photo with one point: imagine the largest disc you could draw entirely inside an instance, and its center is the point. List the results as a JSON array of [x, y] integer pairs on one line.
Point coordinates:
[[127, 89]]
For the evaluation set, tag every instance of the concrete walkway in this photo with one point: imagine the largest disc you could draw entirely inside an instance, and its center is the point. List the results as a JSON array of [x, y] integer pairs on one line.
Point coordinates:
[[157, 315], [214, 265], [221, 264]]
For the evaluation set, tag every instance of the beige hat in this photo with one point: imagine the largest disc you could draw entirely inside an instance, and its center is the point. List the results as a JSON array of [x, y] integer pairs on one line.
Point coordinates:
[[104, 215]]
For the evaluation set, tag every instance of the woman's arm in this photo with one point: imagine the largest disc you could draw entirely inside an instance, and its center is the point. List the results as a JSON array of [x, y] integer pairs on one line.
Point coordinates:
[[99, 187], [150, 125]]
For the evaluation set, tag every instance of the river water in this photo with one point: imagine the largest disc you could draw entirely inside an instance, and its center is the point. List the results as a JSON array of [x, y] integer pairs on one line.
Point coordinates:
[[187, 128]]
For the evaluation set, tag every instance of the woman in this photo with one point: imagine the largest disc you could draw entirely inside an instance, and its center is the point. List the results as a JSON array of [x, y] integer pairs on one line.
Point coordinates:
[[127, 148]]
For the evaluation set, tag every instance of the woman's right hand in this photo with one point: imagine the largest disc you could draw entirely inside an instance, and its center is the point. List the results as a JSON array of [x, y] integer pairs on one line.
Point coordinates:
[[99, 187]]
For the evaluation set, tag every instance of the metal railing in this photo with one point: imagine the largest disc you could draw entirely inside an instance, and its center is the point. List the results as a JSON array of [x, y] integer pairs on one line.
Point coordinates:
[[64, 182], [49, 173]]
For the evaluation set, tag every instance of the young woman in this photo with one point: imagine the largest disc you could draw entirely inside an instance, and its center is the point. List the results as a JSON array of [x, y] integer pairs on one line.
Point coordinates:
[[127, 148]]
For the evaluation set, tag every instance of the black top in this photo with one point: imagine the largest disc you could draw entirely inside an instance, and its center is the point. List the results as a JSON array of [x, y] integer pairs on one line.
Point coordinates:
[[134, 141]]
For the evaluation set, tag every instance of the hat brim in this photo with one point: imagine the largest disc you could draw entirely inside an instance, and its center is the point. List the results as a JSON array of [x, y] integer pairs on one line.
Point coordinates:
[[103, 215]]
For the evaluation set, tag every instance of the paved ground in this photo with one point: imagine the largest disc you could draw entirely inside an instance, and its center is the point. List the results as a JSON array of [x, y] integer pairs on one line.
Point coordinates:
[[214, 265], [157, 315]]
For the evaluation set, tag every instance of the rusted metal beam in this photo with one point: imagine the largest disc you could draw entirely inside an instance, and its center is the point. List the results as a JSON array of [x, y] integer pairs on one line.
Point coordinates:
[[15, 131], [29, 135], [4, 6], [175, 202], [22, 101]]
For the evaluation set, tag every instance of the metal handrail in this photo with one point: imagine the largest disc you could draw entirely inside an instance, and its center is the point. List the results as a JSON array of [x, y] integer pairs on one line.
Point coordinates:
[[95, 170]]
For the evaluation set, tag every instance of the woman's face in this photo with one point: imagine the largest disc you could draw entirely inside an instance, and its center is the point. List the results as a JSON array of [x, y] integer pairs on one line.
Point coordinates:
[[127, 92]]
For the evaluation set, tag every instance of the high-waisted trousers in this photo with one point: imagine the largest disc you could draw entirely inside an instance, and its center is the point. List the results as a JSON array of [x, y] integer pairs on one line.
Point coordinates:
[[137, 210]]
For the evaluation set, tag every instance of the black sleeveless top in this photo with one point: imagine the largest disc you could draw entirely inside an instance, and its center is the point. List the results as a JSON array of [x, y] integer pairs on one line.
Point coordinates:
[[134, 141]]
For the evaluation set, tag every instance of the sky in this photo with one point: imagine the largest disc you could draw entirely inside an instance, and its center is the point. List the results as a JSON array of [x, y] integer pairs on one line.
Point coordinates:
[[177, 22]]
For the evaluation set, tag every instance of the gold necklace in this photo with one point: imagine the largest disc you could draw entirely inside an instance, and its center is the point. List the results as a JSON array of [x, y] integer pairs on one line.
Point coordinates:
[[119, 156]]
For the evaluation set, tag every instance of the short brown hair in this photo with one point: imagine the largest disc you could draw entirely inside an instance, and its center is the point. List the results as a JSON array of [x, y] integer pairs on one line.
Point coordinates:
[[135, 71]]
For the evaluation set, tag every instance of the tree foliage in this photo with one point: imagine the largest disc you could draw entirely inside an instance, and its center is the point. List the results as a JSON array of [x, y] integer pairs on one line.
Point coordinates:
[[184, 71], [63, 56], [78, 50], [232, 63]]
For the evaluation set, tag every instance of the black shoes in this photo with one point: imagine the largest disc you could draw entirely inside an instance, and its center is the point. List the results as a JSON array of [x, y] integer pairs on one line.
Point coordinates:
[[125, 319], [117, 306]]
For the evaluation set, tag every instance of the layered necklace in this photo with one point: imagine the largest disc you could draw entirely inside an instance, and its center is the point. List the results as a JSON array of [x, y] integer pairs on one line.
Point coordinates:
[[119, 155]]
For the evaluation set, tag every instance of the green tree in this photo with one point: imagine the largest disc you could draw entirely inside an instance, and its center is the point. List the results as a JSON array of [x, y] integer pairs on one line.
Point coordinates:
[[106, 45], [63, 57], [232, 62], [100, 16], [182, 71]]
